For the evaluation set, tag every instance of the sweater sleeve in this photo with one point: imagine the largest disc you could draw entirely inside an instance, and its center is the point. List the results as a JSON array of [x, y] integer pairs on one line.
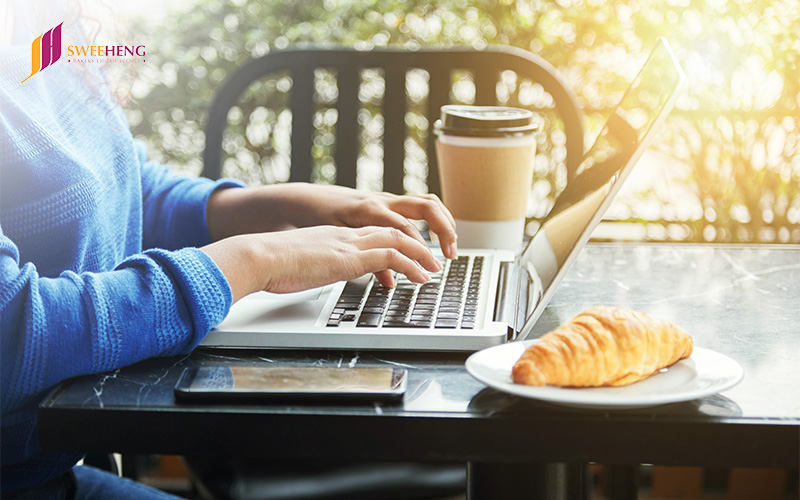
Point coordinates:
[[174, 206], [155, 303]]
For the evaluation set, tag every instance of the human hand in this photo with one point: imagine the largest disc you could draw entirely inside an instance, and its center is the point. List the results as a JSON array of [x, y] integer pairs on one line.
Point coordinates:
[[295, 205], [294, 260], [352, 208]]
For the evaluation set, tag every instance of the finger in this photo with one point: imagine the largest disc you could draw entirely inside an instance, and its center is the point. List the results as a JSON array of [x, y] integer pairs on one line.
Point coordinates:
[[388, 218], [435, 198], [437, 203], [380, 259], [377, 212], [431, 209], [385, 278], [383, 237]]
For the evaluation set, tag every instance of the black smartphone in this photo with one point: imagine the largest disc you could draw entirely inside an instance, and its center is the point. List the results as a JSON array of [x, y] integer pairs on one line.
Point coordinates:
[[275, 383]]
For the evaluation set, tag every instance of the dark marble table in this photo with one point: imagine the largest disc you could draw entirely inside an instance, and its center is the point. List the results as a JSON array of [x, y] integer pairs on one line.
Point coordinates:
[[741, 301]]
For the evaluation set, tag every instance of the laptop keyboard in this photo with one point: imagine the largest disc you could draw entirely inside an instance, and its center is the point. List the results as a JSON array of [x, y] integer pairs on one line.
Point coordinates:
[[448, 300]]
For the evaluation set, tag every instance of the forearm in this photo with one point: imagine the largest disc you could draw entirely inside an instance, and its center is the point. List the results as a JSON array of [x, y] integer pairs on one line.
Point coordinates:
[[232, 212]]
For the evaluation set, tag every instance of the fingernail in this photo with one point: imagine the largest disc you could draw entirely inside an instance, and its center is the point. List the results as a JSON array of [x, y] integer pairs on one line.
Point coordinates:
[[453, 250], [438, 265]]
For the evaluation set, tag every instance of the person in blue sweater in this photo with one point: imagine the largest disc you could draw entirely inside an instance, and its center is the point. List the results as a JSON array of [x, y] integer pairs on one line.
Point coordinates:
[[107, 258]]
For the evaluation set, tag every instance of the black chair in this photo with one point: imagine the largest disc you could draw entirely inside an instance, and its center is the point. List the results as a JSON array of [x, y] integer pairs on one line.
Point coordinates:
[[300, 64], [242, 479], [226, 478]]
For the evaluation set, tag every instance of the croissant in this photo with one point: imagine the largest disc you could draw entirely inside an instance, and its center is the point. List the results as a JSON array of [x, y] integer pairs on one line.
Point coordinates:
[[603, 346]]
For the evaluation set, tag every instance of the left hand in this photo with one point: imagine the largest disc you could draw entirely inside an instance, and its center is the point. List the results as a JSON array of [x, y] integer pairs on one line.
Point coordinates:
[[296, 205]]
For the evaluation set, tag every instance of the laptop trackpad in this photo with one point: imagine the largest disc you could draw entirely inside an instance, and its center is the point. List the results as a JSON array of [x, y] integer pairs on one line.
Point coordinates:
[[266, 312]]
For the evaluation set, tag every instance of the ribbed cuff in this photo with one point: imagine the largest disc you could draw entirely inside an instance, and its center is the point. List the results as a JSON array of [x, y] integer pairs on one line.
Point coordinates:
[[202, 293]]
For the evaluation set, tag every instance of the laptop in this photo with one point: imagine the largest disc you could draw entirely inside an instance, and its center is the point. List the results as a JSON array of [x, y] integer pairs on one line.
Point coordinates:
[[485, 297]]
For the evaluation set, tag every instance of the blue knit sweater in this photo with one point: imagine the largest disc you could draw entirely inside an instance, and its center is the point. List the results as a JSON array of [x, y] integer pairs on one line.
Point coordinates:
[[79, 202]]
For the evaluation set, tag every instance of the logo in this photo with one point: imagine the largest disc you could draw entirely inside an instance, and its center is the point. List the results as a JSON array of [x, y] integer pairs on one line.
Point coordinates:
[[45, 50]]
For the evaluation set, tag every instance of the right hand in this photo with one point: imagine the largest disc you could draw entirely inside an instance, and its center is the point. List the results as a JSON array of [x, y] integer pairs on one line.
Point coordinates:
[[299, 259]]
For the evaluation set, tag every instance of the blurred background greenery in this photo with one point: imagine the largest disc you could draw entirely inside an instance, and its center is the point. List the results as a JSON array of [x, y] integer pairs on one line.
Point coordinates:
[[725, 168]]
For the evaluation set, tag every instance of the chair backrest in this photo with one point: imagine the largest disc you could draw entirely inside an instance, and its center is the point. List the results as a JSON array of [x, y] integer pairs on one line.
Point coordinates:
[[487, 69]]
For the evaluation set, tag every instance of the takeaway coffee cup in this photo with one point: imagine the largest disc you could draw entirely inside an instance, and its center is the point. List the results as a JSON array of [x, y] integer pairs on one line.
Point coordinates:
[[485, 156]]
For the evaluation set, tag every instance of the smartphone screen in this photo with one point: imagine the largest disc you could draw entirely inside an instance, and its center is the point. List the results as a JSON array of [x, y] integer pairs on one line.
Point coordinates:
[[322, 384]]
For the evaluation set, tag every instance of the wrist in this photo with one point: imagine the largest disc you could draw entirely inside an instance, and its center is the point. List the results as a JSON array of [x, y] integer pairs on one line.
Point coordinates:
[[243, 263], [293, 203], [262, 209], [221, 208]]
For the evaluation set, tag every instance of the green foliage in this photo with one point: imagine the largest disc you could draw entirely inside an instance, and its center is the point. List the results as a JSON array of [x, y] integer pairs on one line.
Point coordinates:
[[734, 141]]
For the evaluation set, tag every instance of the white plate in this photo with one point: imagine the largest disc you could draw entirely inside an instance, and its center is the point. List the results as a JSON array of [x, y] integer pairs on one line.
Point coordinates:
[[704, 373]]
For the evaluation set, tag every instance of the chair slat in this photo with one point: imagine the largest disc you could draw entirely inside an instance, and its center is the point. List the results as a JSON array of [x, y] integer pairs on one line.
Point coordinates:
[[302, 102], [347, 144], [438, 96], [394, 132], [486, 86]]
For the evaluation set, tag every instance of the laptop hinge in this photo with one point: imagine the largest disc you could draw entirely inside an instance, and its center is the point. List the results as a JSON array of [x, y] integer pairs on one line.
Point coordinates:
[[507, 303]]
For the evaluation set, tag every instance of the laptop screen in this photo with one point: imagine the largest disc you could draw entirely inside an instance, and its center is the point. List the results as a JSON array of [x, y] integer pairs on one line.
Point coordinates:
[[581, 205]]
